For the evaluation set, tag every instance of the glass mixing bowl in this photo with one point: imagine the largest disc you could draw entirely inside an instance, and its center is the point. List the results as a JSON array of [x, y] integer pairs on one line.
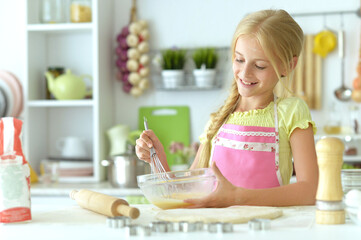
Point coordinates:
[[168, 190]]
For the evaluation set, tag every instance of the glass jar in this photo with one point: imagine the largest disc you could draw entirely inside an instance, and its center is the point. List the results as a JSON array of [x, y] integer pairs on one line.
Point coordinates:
[[80, 11], [52, 11]]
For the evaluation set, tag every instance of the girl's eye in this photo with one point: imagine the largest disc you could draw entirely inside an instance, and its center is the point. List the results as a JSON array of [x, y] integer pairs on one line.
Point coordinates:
[[260, 68], [240, 60]]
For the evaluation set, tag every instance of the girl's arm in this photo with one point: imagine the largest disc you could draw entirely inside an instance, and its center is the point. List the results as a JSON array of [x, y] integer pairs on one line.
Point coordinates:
[[147, 140], [196, 158], [301, 193]]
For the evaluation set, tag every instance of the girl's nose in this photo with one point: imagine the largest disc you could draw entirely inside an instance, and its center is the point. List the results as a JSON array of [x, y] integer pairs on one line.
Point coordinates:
[[246, 72]]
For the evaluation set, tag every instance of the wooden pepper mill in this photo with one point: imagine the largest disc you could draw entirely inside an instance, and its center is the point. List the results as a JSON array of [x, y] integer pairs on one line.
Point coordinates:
[[103, 204], [329, 205]]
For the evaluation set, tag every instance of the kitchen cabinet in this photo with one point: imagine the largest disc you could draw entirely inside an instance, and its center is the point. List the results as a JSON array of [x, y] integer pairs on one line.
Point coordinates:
[[85, 48]]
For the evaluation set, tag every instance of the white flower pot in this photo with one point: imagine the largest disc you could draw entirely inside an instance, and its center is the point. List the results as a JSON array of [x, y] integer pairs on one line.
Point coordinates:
[[173, 78], [204, 77]]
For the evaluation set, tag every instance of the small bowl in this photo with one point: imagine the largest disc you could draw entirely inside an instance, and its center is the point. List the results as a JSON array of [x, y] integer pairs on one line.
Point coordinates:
[[168, 190]]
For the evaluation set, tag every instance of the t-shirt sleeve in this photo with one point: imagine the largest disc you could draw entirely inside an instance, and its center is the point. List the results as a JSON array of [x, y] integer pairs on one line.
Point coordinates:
[[203, 136], [298, 116]]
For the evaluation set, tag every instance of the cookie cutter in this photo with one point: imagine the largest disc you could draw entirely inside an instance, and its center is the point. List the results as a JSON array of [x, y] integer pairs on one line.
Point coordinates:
[[137, 230], [220, 227], [259, 224], [161, 226], [187, 226], [118, 221]]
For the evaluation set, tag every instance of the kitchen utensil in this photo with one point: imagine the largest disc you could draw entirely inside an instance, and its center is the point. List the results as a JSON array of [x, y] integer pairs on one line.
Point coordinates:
[[324, 42], [124, 169], [68, 86], [155, 163], [329, 192], [187, 227], [103, 204], [170, 123], [180, 185], [220, 227], [72, 147], [342, 93], [137, 230], [117, 222]]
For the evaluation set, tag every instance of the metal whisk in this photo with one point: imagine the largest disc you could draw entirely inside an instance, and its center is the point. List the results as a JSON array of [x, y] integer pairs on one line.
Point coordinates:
[[155, 164], [158, 169]]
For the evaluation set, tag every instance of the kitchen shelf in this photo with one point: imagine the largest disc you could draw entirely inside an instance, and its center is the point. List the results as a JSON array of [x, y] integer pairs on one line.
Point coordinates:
[[189, 88], [353, 159], [81, 47], [60, 27], [341, 136], [60, 103]]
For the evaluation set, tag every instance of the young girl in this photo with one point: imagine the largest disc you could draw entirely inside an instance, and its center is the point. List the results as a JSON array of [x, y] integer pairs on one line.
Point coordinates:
[[251, 140]]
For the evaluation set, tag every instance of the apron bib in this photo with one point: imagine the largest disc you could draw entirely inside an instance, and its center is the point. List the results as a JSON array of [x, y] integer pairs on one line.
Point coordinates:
[[248, 156]]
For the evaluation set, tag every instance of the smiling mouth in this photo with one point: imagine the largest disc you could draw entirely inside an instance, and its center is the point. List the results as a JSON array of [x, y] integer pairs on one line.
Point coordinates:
[[248, 83]]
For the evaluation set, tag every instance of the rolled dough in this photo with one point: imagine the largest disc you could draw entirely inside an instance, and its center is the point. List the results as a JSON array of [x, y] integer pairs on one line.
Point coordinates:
[[234, 214]]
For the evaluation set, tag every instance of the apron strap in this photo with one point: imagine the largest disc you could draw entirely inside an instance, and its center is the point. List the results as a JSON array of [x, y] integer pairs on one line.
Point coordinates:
[[277, 139]]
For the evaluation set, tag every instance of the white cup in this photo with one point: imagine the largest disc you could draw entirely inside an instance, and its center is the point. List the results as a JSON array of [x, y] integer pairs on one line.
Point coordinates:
[[72, 147]]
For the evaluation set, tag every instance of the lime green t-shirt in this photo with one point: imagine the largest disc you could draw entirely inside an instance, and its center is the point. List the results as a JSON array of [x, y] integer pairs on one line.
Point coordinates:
[[292, 113]]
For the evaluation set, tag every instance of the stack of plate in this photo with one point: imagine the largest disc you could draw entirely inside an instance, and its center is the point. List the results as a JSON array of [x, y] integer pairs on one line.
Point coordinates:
[[351, 179], [11, 95]]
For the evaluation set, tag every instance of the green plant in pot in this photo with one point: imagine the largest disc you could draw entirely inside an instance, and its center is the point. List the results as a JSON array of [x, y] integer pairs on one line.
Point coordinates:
[[173, 61], [205, 60]]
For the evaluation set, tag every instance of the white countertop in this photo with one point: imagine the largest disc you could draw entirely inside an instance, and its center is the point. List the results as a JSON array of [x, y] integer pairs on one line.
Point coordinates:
[[63, 189], [62, 218]]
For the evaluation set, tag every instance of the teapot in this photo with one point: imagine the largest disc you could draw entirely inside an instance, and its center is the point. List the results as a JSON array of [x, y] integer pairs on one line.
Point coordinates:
[[68, 86]]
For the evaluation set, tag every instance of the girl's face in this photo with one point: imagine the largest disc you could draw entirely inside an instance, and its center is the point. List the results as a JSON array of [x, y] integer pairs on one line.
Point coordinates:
[[254, 74]]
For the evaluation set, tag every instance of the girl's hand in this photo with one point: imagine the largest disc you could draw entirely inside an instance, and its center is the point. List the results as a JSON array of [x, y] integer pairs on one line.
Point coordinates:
[[223, 196], [145, 142]]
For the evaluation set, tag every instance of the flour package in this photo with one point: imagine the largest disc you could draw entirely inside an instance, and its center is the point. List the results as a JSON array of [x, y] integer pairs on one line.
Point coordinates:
[[14, 174]]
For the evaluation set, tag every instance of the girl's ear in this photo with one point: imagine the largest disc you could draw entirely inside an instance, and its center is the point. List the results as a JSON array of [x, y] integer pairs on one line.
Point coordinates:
[[294, 62], [292, 67]]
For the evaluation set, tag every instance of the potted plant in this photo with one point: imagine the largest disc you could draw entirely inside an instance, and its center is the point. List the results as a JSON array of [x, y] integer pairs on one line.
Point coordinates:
[[182, 155], [173, 61], [205, 60]]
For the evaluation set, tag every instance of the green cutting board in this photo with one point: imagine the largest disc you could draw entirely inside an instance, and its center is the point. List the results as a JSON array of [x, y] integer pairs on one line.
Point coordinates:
[[170, 123]]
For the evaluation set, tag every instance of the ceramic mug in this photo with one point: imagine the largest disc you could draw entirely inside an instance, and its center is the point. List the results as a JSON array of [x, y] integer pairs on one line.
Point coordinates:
[[72, 147]]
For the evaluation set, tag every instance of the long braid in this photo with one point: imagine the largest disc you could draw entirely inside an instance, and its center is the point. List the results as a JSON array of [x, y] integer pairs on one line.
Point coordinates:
[[217, 119], [281, 39]]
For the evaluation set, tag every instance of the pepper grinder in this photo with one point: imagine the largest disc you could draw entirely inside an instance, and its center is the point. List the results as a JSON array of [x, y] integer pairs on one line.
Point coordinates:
[[330, 209]]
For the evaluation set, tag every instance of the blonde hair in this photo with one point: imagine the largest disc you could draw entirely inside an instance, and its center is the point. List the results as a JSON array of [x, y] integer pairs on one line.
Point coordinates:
[[281, 39]]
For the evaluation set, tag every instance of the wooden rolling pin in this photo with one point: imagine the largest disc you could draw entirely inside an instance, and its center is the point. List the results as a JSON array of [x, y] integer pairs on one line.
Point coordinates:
[[103, 204]]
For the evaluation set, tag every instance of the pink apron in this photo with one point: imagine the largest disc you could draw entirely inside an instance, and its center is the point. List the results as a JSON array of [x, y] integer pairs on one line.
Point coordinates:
[[248, 156]]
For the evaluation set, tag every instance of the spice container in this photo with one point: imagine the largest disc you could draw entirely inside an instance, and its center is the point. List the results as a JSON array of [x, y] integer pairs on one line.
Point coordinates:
[[80, 11], [52, 11]]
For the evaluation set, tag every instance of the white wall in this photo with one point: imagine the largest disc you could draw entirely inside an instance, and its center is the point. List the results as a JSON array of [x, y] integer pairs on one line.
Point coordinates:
[[192, 23]]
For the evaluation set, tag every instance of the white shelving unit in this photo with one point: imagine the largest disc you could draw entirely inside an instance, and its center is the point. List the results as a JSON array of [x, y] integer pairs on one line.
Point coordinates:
[[85, 48]]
